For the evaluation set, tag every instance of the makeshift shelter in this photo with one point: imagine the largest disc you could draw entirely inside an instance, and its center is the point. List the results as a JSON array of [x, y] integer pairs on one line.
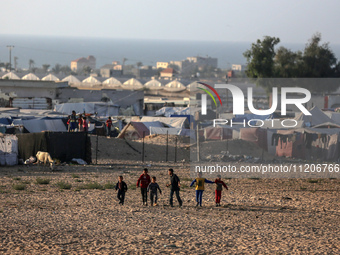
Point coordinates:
[[154, 85], [132, 84], [173, 131], [217, 133], [112, 83], [8, 150], [11, 76], [63, 146], [30, 77], [50, 77], [174, 86], [71, 79], [38, 125], [255, 135], [317, 117], [181, 122], [289, 143], [194, 86], [134, 130], [91, 81], [334, 116], [168, 111], [101, 108]]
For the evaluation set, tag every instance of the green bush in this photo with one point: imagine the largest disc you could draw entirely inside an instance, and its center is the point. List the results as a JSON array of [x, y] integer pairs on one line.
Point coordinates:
[[43, 181], [109, 186], [75, 176], [19, 186], [16, 178], [93, 185], [64, 185]]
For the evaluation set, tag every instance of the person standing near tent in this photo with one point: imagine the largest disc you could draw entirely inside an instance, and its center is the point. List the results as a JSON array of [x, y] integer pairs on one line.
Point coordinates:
[[73, 121], [199, 187], [108, 126], [144, 181], [80, 123], [175, 185]]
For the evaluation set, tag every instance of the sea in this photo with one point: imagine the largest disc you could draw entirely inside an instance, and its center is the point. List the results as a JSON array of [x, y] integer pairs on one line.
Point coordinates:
[[54, 50]]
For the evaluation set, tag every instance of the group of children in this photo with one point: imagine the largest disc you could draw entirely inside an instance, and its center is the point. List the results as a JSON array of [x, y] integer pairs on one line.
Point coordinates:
[[75, 123], [149, 185]]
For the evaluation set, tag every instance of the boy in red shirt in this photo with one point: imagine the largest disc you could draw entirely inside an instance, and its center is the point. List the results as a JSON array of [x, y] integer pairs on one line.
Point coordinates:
[[218, 191], [144, 181], [108, 126]]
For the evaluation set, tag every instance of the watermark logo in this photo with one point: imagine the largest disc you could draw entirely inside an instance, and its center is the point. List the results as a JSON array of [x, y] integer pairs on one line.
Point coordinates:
[[238, 99], [204, 97]]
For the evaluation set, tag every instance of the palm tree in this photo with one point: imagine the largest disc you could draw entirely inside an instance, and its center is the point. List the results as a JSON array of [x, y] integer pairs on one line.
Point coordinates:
[[31, 64]]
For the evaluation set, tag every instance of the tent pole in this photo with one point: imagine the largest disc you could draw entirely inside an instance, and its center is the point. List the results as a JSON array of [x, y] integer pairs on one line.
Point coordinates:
[[143, 147]]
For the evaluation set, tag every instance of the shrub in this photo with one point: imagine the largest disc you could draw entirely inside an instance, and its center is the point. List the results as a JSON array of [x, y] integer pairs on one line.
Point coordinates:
[[19, 186], [93, 185], [43, 181], [109, 186], [75, 176], [16, 178], [64, 185]]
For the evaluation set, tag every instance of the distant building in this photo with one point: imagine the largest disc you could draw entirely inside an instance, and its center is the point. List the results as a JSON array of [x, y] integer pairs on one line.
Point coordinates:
[[168, 73], [79, 64], [238, 68], [162, 65], [190, 64], [110, 70]]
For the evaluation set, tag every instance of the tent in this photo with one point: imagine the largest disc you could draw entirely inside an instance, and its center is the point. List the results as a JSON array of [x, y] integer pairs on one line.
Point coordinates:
[[101, 108], [290, 143], [11, 76], [173, 131], [132, 84], [30, 77], [112, 82], [255, 135], [180, 122], [134, 130], [39, 125], [317, 117], [174, 86], [91, 81], [154, 85], [50, 77], [168, 111], [193, 87], [71, 79]]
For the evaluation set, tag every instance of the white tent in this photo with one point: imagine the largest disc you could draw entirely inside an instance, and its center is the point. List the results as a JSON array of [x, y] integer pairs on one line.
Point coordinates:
[[154, 85], [9, 150], [317, 117], [91, 81], [101, 108], [193, 87], [71, 79], [175, 122], [132, 84], [11, 76], [174, 86], [50, 77], [112, 82], [167, 111], [30, 77]]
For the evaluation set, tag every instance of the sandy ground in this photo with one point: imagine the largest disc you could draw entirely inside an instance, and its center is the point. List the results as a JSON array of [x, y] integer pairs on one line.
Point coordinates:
[[258, 216]]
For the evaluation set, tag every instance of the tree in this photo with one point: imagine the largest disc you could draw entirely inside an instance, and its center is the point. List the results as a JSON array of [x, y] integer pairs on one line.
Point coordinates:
[[56, 68], [31, 64], [86, 70], [139, 64], [66, 70], [260, 58], [45, 67], [287, 63], [15, 63]]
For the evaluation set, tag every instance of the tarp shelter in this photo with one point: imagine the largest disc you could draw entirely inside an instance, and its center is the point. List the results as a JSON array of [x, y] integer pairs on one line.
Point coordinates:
[[132, 84], [91, 81], [101, 108], [154, 85], [289, 143], [112, 83], [62, 146], [134, 130], [11, 76], [317, 117], [168, 111], [50, 77], [30, 77], [255, 135], [45, 124], [173, 131], [8, 150], [194, 86], [174, 86], [180, 122], [217, 133], [71, 79]]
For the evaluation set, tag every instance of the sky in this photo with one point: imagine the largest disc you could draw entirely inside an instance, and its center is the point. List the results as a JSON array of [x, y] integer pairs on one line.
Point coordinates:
[[293, 21]]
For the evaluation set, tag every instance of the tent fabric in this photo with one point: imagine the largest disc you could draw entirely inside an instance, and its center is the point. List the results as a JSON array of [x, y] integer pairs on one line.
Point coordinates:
[[335, 116], [71, 79], [255, 135], [180, 122], [62, 146], [174, 86], [133, 84], [318, 117], [288, 147], [154, 85], [173, 131], [11, 76], [276, 124], [38, 125], [168, 111], [30, 77], [112, 82], [50, 77], [327, 125], [8, 150], [101, 108], [134, 130], [217, 133], [91, 81], [153, 124]]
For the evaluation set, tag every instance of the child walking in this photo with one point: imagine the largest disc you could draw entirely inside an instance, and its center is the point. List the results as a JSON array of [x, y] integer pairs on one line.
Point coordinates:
[[153, 187], [199, 187], [144, 181], [122, 188], [218, 191]]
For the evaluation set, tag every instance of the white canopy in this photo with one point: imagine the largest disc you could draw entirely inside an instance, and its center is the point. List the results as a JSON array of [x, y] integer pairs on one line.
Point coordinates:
[[112, 82], [30, 77], [50, 77], [11, 76], [194, 86], [317, 117], [133, 84], [71, 79], [91, 81], [154, 85], [101, 108], [174, 86]]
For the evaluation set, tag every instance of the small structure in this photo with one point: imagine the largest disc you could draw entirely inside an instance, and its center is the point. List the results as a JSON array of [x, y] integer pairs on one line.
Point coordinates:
[[91, 81], [50, 77], [154, 85], [112, 83], [30, 77], [174, 86], [71, 80], [11, 76], [168, 73], [132, 84]]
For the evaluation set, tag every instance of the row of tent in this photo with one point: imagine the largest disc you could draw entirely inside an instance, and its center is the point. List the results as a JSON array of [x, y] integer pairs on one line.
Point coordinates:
[[172, 86]]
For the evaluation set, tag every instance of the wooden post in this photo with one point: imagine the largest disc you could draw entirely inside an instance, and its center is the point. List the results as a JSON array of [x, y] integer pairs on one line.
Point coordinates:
[[176, 150], [143, 147], [167, 144], [198, 144]]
